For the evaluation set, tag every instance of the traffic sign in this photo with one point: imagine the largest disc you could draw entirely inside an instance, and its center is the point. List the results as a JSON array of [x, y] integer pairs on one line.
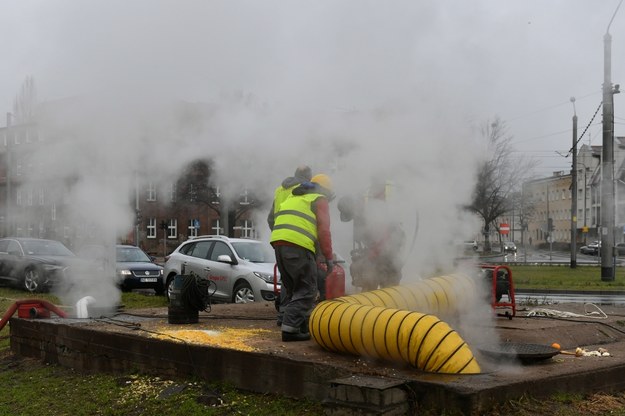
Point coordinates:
[[504, 228]]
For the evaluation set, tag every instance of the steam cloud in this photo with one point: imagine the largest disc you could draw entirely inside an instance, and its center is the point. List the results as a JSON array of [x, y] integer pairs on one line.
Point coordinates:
[[261, 87]]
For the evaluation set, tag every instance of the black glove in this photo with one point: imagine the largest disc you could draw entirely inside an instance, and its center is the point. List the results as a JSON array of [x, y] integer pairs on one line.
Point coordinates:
[[329, 266]]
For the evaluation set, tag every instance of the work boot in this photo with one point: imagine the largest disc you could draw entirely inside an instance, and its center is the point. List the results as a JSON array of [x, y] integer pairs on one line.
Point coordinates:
[[295, 336]]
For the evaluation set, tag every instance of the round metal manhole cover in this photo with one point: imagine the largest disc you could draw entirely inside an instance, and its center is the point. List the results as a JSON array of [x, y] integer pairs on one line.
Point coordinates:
[[526, 353]]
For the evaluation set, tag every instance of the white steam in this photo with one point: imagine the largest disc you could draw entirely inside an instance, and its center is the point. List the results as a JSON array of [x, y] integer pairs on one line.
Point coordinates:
[[262, 88]]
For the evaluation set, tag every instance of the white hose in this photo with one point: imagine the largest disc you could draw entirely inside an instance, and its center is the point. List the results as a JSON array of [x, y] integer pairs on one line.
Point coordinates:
[[598, 314], [81, 306]]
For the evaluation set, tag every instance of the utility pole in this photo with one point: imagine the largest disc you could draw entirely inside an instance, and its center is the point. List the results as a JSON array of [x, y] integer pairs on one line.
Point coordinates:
[[574, 191], [9, 178], [607, 174]]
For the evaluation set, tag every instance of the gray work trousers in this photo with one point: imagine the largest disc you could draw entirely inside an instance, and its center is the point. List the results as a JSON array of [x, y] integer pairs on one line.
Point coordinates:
[[298, 273]]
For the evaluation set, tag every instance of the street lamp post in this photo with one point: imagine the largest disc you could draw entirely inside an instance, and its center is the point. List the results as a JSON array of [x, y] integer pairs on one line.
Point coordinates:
[[585, 229], [607, 174], [9, 178], [574, 191]]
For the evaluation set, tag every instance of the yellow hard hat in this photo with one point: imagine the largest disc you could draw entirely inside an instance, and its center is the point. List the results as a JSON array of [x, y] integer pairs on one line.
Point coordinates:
[[323, 180]]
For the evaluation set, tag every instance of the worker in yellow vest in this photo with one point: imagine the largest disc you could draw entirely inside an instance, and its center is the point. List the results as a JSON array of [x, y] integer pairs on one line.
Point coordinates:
[[302, 226], [302, 174]]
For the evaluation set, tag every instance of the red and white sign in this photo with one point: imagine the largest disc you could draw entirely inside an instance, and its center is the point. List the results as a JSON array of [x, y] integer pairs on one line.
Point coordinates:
[[504, 228]]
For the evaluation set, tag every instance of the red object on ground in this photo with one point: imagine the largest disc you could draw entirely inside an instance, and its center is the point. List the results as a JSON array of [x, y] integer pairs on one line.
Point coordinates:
[[335, 283], [502, 275], [31, 308]]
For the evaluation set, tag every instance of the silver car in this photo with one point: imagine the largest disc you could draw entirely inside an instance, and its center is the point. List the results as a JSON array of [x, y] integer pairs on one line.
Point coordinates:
[[239, 270]]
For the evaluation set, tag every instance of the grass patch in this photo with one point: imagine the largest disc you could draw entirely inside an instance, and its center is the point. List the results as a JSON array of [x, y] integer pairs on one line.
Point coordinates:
[[565, 278], [31, 387]]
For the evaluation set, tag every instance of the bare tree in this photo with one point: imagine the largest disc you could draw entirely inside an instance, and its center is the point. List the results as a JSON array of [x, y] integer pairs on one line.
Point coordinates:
[[197, 188], [499, 177]]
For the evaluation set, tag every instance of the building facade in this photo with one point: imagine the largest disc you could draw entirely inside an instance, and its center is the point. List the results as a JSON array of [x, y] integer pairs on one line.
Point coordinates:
[[551, 219], [34, 201]]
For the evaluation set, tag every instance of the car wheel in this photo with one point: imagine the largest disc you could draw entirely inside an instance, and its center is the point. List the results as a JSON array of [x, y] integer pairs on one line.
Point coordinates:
[[169, 285], [33, 280], [243, 293]]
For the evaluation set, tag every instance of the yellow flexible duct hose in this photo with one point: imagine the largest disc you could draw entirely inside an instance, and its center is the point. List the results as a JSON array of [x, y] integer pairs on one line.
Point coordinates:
[[441, 295], [383, 324]]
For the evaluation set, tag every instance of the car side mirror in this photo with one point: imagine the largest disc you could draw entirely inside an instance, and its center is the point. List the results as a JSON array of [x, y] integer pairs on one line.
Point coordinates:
[[224, 258]]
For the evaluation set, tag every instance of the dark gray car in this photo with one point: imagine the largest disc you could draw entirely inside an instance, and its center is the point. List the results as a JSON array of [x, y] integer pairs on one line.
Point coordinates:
[[137, 270], [34, 264], [134, 268]]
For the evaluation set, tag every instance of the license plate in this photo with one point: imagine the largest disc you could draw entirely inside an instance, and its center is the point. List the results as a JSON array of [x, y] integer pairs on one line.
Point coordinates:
[[148, 279]]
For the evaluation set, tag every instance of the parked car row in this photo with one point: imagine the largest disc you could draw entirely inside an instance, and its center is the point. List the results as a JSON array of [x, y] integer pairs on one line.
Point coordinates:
[[39, 265], [594, 248], [239, 270]]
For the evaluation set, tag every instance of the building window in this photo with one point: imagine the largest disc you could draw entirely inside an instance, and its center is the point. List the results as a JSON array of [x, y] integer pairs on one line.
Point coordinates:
[[151, 228], [172, 192], [216, 228], [193, 227], [29, 198], [216, 195], [41, 196], [18, 197], [18, 166], [53, 212], [247, 229], [172, 228], [151, 192], [245, 197]]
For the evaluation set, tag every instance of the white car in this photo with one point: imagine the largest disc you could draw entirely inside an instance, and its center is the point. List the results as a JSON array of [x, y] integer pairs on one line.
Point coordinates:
[[240, 270], [470, 245]]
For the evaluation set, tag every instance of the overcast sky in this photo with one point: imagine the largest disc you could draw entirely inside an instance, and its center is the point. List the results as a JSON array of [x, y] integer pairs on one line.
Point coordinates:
[[406, 83], [462, 61]]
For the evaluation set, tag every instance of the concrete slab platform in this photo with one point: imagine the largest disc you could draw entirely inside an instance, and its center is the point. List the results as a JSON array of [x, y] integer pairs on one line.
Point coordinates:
[[242, 345]]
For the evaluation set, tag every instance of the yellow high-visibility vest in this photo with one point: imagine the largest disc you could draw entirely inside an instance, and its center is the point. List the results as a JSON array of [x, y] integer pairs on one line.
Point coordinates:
[[296, 222]]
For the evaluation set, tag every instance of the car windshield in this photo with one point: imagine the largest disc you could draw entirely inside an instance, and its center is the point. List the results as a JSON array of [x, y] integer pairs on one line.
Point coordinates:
[[131, 254], [46, 248], [254, 251]]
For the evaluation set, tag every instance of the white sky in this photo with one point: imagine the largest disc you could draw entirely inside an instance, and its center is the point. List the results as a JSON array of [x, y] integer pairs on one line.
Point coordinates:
[[406, 81], [470, 61]]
